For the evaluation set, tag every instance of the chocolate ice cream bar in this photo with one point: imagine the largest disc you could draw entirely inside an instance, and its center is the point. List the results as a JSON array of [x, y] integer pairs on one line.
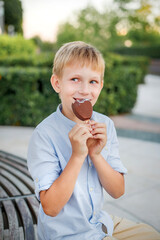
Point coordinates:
[[82, 109]]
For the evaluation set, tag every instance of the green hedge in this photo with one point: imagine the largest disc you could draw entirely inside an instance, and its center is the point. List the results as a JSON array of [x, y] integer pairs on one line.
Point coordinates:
[[46, 60], [122, 76], [120, 90], [148, 51], [27, 60], [141, 63], [15, 45], [26, 95]]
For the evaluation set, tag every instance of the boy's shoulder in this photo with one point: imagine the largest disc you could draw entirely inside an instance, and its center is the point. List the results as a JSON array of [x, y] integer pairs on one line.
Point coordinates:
[[48, 122]]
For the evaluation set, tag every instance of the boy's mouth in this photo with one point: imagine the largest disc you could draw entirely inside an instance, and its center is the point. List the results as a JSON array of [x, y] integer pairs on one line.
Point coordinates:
[[81, 100]]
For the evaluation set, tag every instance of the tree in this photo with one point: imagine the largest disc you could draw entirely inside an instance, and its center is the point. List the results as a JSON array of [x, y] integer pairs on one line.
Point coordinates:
[[129, 22], [90, 26], [13, 14], [142, 20]]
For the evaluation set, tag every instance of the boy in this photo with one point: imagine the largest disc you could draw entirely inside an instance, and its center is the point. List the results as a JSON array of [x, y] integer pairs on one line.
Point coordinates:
[[72, 161]]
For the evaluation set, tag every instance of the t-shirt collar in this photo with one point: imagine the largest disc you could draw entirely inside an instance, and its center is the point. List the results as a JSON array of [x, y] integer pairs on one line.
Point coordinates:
[[64, 118]]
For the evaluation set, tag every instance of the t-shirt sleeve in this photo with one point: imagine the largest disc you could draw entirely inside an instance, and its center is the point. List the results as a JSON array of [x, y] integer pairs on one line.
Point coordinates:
[[111, 150], [43, 163]]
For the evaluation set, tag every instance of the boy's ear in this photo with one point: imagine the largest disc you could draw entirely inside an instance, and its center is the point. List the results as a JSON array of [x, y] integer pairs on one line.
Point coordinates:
[[102, 82], [55, 83]]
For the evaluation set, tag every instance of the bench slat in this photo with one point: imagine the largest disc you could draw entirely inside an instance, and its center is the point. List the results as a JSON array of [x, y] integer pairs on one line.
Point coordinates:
[[1, 222], [26, 218], [12, 157], [15, 165], [25, 179], [21, 233], [20, 185], [34, 205], [6, 235], [19, 211], [23, 209], [35, 230], [11, 216]]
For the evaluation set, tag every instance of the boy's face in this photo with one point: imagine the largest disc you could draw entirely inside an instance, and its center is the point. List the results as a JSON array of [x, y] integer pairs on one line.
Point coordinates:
[[77, 83]]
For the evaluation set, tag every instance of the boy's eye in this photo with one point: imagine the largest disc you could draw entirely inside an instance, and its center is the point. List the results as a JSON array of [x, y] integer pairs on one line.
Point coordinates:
[[74, 79], [93, 81]]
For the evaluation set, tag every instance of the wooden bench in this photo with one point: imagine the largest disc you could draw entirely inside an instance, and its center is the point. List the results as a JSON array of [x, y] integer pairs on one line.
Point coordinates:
[[18, 204]]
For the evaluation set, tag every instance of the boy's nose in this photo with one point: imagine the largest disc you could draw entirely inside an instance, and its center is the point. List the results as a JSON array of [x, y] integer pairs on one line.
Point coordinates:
[[84, 89]]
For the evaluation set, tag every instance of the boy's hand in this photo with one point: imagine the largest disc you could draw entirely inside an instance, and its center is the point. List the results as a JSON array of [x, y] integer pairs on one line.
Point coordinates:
[[98, 140], [78, 137]]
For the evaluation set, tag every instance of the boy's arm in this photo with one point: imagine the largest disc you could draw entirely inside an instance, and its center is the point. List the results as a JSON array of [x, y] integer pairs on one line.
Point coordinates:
[[54, 199], [111, 180]]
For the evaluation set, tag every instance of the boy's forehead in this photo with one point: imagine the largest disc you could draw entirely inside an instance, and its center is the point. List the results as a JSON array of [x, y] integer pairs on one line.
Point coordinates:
[[81, 65], [78, 68]]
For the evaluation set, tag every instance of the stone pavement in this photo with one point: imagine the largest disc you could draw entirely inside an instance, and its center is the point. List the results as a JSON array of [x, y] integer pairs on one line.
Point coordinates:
[[144, 121], [139, 138]]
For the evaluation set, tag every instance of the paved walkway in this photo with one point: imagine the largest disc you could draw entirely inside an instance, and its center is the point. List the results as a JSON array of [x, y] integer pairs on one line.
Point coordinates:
[[144, 121], [141, 155]]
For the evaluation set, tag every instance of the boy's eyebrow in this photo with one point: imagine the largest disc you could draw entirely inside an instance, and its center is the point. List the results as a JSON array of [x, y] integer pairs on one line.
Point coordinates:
[[78, 74], [95, 77], [75, 74]]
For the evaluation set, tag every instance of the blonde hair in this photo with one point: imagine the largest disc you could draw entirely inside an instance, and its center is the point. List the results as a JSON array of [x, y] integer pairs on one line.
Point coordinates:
[[78, 52]]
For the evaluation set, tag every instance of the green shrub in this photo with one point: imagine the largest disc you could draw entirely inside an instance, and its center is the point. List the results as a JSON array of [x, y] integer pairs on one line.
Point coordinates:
[[120, 90], [15, 45], [139, 62], [26, 96], [46, 60], [24, 60], [122, 76], [148, 51]]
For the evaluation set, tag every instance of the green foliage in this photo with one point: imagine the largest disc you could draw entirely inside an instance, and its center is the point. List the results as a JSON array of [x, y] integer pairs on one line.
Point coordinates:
[[13, 14], [67, 33], [152, 51], [25, 91], [110, 29], [43, 46], [140, 63], [121, 79], [15, 45], [90, 26], [26, 95], [38, 60], [142, 21]]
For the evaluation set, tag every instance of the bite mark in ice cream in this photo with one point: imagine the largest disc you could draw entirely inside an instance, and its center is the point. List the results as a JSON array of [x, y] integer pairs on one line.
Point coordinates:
[[82, 109]]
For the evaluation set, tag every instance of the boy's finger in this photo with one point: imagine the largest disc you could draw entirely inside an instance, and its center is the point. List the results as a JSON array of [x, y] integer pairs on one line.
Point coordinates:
[[97, 125], [85, 136], [98, 130], [77, 127], [99, 136], [81, 131]]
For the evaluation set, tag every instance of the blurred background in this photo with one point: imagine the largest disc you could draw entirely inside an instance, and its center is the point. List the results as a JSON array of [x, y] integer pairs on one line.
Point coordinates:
[[127, 32]]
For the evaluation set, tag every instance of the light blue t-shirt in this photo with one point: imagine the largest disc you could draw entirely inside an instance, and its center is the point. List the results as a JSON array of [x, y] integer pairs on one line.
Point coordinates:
[[49, 151]]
